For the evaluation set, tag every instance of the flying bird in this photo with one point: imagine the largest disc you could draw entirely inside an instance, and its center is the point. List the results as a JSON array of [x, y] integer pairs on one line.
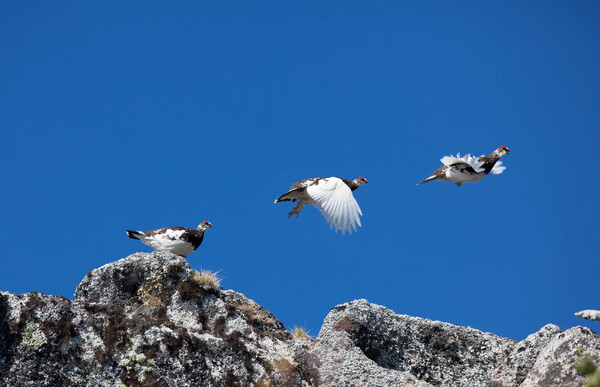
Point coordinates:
[[468, 169], [178, 240], [332, 196]]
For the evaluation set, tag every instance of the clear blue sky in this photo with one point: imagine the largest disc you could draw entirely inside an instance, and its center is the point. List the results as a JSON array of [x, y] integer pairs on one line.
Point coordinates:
[[143, 115]]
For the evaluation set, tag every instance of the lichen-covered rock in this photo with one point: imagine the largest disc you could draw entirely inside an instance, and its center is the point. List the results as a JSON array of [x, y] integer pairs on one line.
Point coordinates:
[[150, 320], [334, 360], [513, 368], [554, 365], [408, 351], [35, 340], [144, 320]]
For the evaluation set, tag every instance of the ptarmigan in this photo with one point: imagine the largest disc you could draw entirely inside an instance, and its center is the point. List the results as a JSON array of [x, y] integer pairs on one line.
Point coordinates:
[[178, 240], [333, 198], [468, 169]]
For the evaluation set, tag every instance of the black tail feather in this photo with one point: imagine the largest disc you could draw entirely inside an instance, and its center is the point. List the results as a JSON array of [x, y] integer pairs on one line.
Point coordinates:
[[430, 178], [133, 234], [284, 199]]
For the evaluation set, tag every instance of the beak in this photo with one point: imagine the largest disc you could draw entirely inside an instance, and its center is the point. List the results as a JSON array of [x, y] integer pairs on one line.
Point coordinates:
[[507, 150]]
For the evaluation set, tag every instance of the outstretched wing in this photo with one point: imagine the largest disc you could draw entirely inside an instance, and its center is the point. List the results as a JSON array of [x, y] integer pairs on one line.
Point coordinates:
[[473, 162], [334, 199], [498, 168]]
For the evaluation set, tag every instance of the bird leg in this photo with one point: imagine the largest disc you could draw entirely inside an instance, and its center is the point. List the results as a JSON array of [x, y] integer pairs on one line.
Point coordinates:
[[459, 184], [296, 210]]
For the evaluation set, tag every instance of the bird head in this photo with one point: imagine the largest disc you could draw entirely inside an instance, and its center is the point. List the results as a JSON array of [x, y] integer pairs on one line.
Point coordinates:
[[360, 181], [502, 151], [204, 225]]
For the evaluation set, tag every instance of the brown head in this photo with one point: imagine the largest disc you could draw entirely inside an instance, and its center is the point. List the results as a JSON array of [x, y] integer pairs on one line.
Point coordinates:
[[360, 181], [204, 225], [502, 151]]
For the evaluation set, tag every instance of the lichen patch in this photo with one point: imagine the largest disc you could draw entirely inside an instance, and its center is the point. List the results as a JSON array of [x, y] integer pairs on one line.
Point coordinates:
[[33, 337]]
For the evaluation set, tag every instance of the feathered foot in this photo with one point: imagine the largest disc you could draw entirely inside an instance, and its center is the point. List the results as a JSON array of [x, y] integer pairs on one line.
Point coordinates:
[[296, 210]]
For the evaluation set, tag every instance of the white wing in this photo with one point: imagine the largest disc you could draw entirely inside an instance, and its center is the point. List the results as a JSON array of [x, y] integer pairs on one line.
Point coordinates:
[[498, 168], [468, 159], [475, 163], [334, 199], [449, 160]]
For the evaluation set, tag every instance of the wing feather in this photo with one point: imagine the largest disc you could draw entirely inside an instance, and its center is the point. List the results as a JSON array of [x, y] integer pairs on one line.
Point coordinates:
[[498, 168], [334, 200], [449, 160], [474, 162]]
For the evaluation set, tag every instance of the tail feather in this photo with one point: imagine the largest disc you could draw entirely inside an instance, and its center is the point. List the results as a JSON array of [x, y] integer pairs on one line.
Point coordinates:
[[430, 178], [285, 198], [134, 234]]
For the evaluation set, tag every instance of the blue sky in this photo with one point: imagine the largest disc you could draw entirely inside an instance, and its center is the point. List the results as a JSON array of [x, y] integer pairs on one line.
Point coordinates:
[[144, 115]]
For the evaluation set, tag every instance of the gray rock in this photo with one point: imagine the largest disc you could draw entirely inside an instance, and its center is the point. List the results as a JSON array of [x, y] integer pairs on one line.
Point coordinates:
[[143, 320], [150, 320], [358, 334], [554, 365], [335, 360], [513, 369]]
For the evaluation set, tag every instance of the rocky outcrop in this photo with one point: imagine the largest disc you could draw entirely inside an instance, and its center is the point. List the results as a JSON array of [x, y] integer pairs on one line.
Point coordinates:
[[366, 344], [589, 314], [150, 320], [144, 320]]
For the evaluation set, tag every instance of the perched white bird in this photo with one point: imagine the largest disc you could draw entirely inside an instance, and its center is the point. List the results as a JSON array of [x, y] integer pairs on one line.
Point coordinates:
[[468, 169], [178, 240], [333, 198], [589, 314]]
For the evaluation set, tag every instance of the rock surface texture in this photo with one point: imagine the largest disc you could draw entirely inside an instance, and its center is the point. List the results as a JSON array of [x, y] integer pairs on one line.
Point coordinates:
[[150, 320]]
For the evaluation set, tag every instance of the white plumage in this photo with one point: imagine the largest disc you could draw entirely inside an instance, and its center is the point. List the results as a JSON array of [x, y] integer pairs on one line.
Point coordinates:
[[474, 162], [169, 240], [178, 240], [468, 169], [498, 168], [332, 196], [334, 199]]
